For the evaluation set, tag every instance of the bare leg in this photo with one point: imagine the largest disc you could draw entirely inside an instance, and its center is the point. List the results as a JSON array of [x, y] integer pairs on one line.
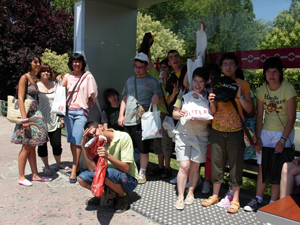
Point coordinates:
[[33, 164], [22, 159], [160, 160], [289, 171], [184, 167], [275, 189], [83, 184], [260, 186], [194, 176], [216, 190], [167, 162], [45, 161], [76, 151], [115, 187], [57, 160], [144, 159], [236, 193]]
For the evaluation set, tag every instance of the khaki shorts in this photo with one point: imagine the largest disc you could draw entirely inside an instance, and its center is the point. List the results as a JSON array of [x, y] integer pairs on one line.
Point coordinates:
[[192, 148]]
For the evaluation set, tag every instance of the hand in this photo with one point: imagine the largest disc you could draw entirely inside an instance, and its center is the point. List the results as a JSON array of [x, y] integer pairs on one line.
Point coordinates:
[[211, 97], [258, 146], [182, 112], [58, 77], [102, 152], [204, 26], [26, 126], [154, 99], [176, 88], [296, 161], [239, 85], [84, 136], [279, 146], [121, 121], [62, 123]]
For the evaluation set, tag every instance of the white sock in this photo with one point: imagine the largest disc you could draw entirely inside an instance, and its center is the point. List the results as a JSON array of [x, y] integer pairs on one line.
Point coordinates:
[[259, 199], [230, 191], [142, 170]]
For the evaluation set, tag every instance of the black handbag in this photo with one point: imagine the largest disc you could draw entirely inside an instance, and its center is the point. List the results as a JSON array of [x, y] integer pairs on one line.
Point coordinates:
[[272, 163], [224, 89]]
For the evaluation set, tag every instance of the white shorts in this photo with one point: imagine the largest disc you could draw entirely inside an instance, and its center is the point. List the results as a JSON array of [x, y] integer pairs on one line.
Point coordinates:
[[270, 139], [192, 148]]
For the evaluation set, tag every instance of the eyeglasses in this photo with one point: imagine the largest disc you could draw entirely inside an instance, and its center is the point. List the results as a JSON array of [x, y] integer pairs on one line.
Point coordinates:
[[138, 67], [47, 71], [198, 82], [76, 61], [230, 65]]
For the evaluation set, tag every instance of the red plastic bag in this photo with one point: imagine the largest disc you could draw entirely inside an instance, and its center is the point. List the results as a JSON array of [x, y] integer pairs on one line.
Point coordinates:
[[97, 186]]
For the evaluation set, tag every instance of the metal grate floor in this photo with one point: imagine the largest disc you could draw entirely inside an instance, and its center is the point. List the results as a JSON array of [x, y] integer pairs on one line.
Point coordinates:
[[156, 198]]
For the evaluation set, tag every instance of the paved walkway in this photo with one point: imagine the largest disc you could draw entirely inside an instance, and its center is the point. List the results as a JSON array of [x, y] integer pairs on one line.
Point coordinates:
[[55, 202]]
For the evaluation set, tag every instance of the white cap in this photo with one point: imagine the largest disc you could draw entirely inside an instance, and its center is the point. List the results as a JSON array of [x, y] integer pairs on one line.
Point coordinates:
[[142, 57]]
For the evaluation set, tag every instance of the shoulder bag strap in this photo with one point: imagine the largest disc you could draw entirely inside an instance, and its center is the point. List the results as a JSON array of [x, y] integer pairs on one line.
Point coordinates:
[[243, 123], [69, 98], [136, 95]]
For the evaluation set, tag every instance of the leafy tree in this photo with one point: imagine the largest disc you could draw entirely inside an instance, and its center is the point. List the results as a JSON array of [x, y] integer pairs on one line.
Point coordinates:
[[58, 63], [164, 41], [66, 5], [29, 26]]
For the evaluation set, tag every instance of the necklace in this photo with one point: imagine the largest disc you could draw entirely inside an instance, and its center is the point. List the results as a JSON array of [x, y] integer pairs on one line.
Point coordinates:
[[33, 78]]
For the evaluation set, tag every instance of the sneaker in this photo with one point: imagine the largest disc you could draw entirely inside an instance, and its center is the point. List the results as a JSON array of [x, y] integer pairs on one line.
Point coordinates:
[[179, 204], [93, 201], [142, 178], [253, 205], [174, 180], [122, 203], [205, 188], [225, 202], [189, 200], [157, 171]]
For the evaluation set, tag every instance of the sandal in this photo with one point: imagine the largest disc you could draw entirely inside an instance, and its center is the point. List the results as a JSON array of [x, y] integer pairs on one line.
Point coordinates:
[[210, 201], [62, 167], [234, 207], [157, 171], [167, 173], [47, 172]]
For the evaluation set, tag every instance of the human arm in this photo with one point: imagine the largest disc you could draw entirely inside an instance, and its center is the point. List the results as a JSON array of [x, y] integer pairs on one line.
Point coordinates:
[[213, 105], [23, 82], [175, 91], [258, 125], [289, 126], [121, 120], [122, 166], [178, 113], [296, 161], [156, 99], [91, 165], [245, 101], [186, 80], [64, 81]]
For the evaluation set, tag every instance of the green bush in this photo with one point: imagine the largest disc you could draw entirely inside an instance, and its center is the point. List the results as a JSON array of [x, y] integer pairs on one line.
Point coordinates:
[[58, 63]]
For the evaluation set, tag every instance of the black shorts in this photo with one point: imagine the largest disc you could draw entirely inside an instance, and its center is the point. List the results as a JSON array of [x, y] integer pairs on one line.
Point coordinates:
[[135, 133]]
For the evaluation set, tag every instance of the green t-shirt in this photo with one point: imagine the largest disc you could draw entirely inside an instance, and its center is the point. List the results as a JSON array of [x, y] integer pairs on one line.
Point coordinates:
[[122, 149], [162, 107], [275, 102]]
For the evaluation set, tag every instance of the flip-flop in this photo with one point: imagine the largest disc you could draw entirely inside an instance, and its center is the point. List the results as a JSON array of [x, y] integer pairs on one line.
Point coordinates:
[[43, 179], [25, 182]]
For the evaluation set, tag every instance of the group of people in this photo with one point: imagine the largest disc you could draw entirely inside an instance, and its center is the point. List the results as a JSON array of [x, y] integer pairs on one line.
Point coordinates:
[[214, 141]]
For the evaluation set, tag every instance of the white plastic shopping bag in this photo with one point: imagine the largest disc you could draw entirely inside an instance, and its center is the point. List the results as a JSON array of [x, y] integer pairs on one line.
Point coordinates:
[[196, 106], [59, 102], [168, 125], [201, 45], [151, 124]]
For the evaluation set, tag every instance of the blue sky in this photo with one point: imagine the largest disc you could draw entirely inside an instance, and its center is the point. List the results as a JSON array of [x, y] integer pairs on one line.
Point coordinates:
[[268, 9]]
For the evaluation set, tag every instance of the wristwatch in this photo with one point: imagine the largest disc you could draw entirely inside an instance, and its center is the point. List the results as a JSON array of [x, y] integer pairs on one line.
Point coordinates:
[[241, 97]]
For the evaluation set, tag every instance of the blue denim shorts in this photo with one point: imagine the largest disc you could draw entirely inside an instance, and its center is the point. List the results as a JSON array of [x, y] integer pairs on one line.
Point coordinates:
[[75, 121], [127, 182]]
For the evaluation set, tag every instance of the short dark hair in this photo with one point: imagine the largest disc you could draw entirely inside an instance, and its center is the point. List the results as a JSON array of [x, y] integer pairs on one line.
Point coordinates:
[[146, 63], [44, 67], [90, 124], [213, 69], [201, 72], [76, 56], [26, 61], [273, 62], [239, 73], [165, 61], [172, 51], [109, 92], [229, 55]]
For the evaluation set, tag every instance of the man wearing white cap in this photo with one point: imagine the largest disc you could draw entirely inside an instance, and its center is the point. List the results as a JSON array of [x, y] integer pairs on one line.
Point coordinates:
[[148, 91]]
